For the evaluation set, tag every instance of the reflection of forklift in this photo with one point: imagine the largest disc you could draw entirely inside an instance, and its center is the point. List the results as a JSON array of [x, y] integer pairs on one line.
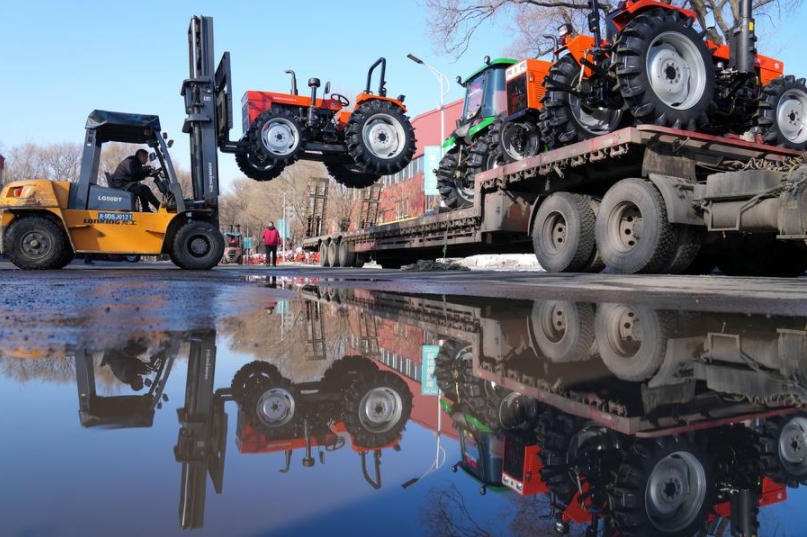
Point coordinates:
[[353, 402], [45, 223], [233, 246]]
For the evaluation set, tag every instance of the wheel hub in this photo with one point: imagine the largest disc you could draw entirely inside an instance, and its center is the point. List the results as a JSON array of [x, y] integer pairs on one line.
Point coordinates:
[[791, 115], [793, 445], [199, 246], [627, 221], [35, 244], [279, 137], [380, 409], [676, 490], [276, 407], [384, 136], [675, 70]]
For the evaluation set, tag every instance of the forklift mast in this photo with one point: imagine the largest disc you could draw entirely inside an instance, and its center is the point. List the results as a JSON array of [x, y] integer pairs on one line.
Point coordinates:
[[208, 105]]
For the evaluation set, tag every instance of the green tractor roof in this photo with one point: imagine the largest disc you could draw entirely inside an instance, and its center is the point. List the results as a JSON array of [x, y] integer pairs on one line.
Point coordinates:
[[493, 63]]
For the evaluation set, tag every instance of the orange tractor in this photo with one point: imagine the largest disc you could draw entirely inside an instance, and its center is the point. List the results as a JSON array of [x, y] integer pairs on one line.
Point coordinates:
[[357, 147], [653, 67]]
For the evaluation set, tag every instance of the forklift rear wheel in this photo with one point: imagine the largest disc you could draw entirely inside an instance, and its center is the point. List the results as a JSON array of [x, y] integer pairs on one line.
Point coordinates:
[[36, 243], [197, 246]]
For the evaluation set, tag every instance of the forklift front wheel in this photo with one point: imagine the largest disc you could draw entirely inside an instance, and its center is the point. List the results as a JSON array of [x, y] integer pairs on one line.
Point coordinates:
[[197, 246]]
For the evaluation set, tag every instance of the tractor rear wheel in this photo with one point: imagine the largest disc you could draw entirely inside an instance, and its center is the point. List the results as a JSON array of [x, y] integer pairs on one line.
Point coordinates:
[[782, 113], [257, 169], [276, 135], [665, 71], [351, 175], [380, 137], [197, 246], [563, 233], [565, 119], [451, 181], [36, 243]]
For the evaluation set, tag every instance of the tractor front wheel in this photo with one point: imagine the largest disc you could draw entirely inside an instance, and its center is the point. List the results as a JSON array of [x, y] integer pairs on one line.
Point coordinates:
[[351, 175], [451, 181], [276, 135], [380, 137], [257, 169], [36, 243], [782, 113]]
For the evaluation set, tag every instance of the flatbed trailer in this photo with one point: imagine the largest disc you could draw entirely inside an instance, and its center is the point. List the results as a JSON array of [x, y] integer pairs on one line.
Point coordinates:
[[672, 197]]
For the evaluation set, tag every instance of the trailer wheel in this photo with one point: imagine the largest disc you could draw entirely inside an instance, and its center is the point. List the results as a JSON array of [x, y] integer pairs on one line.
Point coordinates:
[[323, 254], [563, 233], [257, 169], [380, 137], [351, 175], [563, 331], [664, 69], [377, 406], [782, 446], [346, 257], [663, 487], [687, 247], [632, 340], [782, 113], [632, 231], [564, 118], [197, 246], [36, 243], [333, 254], [451, 179]]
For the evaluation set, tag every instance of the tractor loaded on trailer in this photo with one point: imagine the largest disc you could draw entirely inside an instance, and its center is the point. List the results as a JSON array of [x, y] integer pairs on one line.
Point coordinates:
[[651, 151]]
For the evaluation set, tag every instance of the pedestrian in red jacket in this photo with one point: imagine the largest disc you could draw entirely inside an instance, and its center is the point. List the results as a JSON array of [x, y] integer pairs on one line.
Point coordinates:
[[271, 240]]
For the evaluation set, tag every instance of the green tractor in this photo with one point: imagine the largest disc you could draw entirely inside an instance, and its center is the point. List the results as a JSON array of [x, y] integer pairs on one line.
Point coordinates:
[[474, 146]]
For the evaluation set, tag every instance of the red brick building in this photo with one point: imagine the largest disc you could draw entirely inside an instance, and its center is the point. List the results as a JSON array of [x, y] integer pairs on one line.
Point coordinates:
[[403, 195]]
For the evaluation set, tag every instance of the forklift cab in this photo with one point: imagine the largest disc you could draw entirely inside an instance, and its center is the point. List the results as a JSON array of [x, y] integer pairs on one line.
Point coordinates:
[[102, 127]]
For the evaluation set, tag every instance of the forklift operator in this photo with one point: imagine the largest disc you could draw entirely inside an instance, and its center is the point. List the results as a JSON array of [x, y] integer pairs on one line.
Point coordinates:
[[128, 175]]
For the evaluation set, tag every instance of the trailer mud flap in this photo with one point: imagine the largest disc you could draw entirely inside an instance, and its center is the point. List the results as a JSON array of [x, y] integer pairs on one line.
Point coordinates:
[[678, 195]]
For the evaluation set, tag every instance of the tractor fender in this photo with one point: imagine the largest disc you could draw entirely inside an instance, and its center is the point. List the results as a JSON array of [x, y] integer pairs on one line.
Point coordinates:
[[479, 127], [364, 97], [677, 193]]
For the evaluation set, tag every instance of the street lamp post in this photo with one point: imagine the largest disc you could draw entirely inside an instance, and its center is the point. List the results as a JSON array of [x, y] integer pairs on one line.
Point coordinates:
[[444, 87]]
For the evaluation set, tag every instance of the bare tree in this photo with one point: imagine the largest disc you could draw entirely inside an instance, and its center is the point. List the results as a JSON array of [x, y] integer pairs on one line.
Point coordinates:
[[60, 162], [456, 21]]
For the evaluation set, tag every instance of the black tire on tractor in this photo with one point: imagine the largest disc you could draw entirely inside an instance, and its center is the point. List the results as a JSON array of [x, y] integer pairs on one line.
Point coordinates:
[[782, 113], [451, 178], [664, 486], [323, 254], [36, 243], [563, 119], [380, 137], [520, 139], [688, 243], [333, 254], [342, 372], [453, 367], [553, 435], [256, 169], [664, 70], [197, 246], [250, 371], [277, 136], [376, 407], [563, 233], [345, 256], [563, 331], [270, 405], [632, 231], [631, 339], [782, 447], [351, 175], [486, 152]]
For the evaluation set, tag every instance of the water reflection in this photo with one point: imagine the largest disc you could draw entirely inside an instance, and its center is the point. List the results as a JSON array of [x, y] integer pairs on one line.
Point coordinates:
[[585, 418]]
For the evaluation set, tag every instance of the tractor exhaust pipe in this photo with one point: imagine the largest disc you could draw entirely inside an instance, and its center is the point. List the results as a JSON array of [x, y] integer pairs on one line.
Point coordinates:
[[744, 41], [313, 83]]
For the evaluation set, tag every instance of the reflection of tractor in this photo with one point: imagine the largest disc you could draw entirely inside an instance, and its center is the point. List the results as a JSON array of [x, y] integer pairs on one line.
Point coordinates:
[[233, 247], [357, 147], [354, 401]]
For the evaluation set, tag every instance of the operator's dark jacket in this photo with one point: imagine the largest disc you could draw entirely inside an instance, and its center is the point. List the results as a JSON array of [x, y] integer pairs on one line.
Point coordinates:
[[128, 173]]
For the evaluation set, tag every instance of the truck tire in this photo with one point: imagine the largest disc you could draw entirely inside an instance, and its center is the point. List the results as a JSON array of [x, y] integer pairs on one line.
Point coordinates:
[[689, 240], [782, 113], [632, 231], [664, 486], [664, 69], [563, 233], [376, 407], [197, 246], [632, 340], [345, 256], [351, 175], [36, 243], [563, 119], [256, 169], [563, 331], [333, 254], [323, 254], [276, 135], [380, 137], [451, 182]]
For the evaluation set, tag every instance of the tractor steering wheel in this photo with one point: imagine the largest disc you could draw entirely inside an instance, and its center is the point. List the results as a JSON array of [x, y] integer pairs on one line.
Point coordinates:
[[341, 99]]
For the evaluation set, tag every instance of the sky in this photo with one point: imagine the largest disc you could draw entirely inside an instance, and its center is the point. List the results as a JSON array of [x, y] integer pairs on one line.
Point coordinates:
[[61, 60]]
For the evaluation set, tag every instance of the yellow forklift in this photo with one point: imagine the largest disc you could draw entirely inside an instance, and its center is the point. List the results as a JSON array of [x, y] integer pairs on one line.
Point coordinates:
[[44, 224]]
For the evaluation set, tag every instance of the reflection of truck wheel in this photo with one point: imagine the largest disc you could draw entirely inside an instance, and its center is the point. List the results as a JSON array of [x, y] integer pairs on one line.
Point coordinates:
[[782, 445], [632, 340], [270, 406], [251, 371], [632, 231], [257, 169], [36, 243], [665, 71], [197, 246], [276, 135], [351, 175], [452, 366], [563, 331], [687, 247], [376, 408], [380, 137], [451, 179], [343, 371], [782, 113], [563, 233], [663, 487]]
